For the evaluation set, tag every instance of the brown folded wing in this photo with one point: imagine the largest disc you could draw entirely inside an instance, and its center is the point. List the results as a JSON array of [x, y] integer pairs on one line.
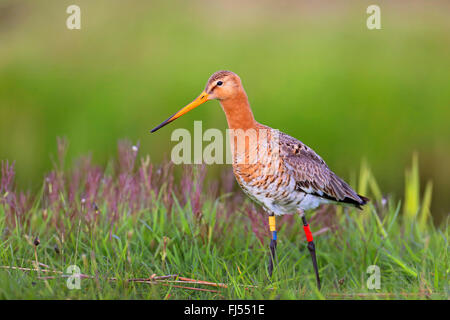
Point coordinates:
[[312, 174]]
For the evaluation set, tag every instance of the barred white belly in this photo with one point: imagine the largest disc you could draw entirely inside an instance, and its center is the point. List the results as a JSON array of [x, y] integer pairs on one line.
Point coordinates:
[[284, 201]]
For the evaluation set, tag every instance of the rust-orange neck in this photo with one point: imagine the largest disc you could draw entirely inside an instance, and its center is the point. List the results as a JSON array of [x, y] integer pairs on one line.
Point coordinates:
[[238, 112]]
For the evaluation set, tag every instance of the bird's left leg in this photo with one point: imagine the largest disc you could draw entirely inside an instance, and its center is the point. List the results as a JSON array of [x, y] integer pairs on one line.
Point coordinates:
[[311, 247], [273, 242]]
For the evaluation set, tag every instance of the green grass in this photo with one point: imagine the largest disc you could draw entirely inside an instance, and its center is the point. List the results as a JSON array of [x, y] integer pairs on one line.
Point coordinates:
[[215, 237]]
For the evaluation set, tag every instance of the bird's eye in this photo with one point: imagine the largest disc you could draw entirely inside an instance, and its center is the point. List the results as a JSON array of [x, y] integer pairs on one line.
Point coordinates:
[[219, 83]]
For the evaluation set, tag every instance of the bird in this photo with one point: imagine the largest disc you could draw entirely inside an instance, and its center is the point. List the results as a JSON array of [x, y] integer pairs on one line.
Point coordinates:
[[280, 173]]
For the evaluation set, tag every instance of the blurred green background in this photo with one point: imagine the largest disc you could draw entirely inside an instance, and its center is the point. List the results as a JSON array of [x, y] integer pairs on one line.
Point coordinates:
[[312, 70]]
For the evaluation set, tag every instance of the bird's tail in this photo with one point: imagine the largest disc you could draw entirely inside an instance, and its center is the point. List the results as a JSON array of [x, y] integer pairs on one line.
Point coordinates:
[[364, 201]]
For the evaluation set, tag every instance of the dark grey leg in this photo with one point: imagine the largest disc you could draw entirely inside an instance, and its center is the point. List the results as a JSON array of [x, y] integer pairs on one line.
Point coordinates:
[[311, 248]]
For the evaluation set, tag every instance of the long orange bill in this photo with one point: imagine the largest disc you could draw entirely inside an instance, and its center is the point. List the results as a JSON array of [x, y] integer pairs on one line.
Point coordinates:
[[202, 98]]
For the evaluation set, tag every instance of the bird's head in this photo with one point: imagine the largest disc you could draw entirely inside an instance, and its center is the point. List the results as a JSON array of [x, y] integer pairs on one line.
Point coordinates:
[[222, 85]]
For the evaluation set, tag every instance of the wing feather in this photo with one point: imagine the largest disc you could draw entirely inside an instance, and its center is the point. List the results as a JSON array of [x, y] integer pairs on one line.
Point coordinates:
[[312, 174]]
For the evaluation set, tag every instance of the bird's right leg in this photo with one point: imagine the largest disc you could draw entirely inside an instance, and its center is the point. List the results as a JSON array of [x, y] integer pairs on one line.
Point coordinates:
[[311, 247], [273, 242]]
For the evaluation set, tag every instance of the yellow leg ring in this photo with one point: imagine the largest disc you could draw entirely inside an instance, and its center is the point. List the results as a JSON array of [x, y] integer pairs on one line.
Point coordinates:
[[272, 225]]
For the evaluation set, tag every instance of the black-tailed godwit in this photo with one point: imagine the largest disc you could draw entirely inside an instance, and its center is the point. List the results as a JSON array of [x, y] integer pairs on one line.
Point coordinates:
[[277, 171]]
